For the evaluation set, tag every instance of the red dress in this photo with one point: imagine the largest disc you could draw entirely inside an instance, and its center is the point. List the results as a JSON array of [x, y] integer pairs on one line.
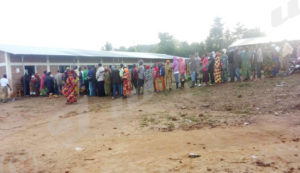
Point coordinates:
[[69, 90], [126, 84]]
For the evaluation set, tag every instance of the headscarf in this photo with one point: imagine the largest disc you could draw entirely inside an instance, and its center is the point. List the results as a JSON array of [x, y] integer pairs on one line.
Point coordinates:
[[175, 65], [147, 67], [181, 66], [126, 70]]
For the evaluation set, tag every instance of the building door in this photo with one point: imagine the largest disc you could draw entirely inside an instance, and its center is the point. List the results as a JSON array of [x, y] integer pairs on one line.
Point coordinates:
[[30, 70], [62, 68]]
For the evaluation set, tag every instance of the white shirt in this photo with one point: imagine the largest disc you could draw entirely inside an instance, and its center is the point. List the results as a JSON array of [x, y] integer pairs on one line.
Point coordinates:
[[100, 74], [3, 82]]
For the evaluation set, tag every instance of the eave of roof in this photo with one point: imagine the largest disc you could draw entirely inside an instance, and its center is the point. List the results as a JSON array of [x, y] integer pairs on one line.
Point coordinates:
[[29, 50]]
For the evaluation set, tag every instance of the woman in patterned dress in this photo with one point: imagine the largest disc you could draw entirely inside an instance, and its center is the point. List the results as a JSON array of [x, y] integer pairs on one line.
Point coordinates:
[[148, 79], [69, 88], [127, 86], [217, 69]]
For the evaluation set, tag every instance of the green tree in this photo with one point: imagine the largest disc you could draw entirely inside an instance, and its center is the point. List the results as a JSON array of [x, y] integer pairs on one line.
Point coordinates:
[[167, 44], [255, 32], [239, 31], [228, 38], [215, 39], [122, 48], [108, 46]]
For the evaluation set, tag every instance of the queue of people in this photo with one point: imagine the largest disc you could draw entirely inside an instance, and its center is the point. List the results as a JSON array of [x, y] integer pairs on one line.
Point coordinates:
[[238, 64]]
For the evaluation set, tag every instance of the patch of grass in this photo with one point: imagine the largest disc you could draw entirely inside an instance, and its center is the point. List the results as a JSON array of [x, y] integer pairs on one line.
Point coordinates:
[[242, 111], [193, 119], [244, 84], [170, 125], [146, 121]]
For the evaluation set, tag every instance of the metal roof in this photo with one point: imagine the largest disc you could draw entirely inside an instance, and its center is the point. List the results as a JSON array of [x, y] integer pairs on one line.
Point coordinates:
[[30, 50], [262, 40]]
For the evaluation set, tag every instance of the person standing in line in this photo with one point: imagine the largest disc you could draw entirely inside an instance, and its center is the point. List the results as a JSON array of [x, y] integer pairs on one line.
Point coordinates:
[[121, 71], [26, 83], [182, 70], [155, 78], [141, 77], [276, 63], [245, 55], [49, 81], [126, 83], [90, 75], [100, 80], [211, 67], [168, 75], [43, 81], [134, 78], [193, 68], [175, 67], [205, 70], [231, 64], [162, 76], [224, 66], [148, 79], [58, 81], [36, 84], [253, 62], [260, 60], [115, 80], [107, 81], [85, 80], [237, 64], [199, 76], [68, 89], [217, 68], [4, 88], [81, 84], [76, 80]]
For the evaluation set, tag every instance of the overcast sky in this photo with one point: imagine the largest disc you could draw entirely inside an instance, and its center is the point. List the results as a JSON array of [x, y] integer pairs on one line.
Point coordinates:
[[88, 24]]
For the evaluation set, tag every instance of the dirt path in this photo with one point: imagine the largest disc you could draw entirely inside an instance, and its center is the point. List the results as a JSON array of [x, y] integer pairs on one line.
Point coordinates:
[[246, 127]]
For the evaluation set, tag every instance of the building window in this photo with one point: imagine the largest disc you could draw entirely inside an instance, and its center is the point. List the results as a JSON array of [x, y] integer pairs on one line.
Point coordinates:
[[62, 68]]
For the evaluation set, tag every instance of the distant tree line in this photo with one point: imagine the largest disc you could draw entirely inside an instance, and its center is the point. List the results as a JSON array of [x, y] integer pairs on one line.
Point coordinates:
[[218, 39]]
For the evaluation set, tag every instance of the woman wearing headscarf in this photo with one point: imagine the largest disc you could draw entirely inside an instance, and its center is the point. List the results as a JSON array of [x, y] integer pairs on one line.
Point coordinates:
[[76, 80], [35, 84], [148, 79], [168, 75], [175, 67], [127, 86], [68, 89], [43, 81], [217, 69], [182, 69], [107, 81]]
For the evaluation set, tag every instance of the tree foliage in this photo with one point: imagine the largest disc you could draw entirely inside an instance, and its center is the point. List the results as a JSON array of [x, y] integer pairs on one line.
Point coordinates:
[[108, 46], [218, 39]]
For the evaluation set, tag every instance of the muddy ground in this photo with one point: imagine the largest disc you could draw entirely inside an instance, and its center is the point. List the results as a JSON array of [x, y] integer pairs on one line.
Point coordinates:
[[234, 127]]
